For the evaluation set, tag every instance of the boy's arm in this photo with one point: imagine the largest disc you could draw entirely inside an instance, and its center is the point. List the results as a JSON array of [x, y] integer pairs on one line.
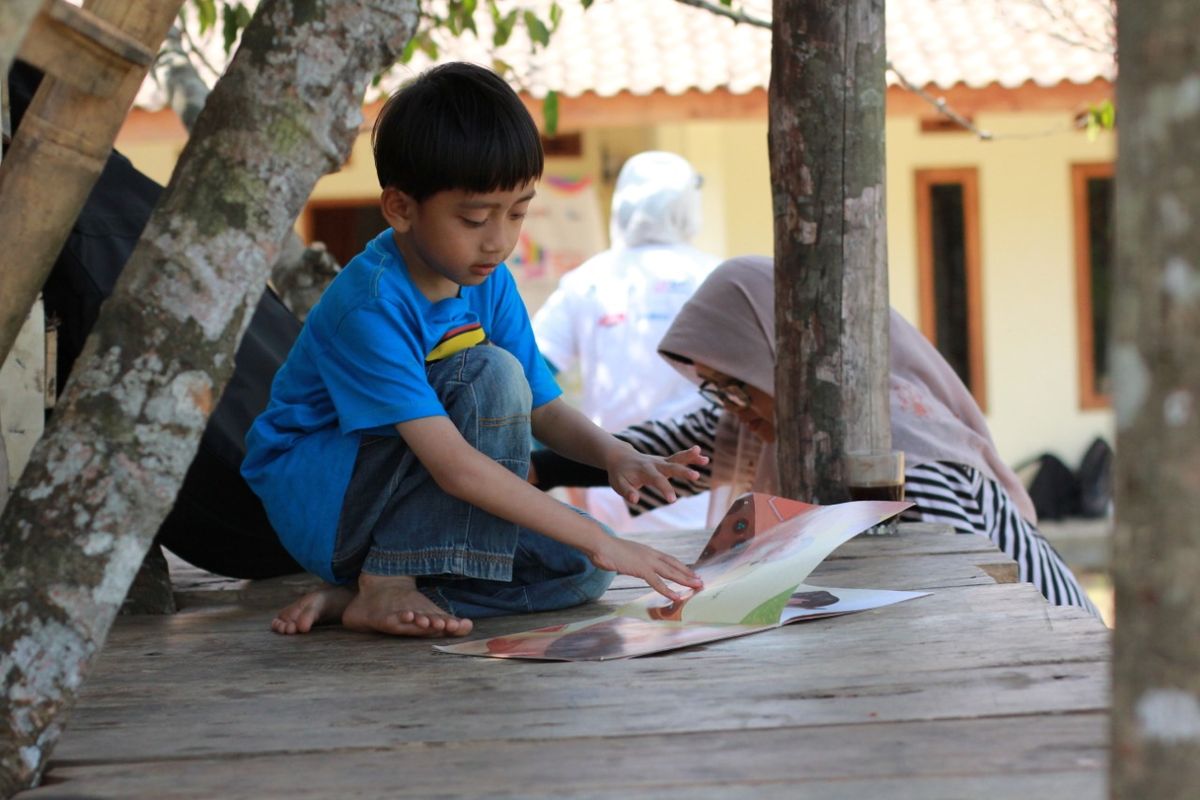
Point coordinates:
[[463, 472], [568, 432]]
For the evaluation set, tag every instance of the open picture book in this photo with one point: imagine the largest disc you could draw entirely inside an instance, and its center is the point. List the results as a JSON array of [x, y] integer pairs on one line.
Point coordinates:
[[753, 567]]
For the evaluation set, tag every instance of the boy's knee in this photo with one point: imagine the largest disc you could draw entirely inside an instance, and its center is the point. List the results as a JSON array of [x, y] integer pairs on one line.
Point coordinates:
[[594, 582], [498, 380]]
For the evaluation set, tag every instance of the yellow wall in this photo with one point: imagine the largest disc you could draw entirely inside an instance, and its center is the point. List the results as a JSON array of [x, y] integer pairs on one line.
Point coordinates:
[[1025, 230]]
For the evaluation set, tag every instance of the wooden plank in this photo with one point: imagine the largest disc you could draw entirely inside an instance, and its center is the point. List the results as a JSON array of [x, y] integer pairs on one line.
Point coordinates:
[[956, 758], [82, 50], [980, 689], [823, 672]]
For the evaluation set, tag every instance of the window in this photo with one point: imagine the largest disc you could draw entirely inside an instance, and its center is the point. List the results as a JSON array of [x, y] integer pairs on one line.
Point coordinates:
[[949, 280], [345, 226], [1092, 189]]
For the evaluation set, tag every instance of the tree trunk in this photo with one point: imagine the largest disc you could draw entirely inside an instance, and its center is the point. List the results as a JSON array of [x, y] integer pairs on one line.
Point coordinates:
[[301, 273], [106, 472], [64, 141], [827, 174], [1156, 381]]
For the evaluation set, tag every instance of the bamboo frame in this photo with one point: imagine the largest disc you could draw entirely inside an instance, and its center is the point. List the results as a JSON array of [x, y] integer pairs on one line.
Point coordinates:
[[968, 178], [1089, 395], [66, 135]]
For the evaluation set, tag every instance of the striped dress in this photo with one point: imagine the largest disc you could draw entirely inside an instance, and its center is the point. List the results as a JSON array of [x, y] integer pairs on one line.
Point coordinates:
[[943, 492]]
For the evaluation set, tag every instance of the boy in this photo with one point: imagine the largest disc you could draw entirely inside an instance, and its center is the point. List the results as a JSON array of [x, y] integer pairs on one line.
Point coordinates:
[[392, 455]]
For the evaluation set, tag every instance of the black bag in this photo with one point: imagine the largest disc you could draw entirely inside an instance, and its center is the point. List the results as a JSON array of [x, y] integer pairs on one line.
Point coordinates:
[[1095, 480], [1055, 489]]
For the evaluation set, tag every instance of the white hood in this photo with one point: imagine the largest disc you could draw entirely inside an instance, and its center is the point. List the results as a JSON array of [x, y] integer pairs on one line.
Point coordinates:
[[656, 201]]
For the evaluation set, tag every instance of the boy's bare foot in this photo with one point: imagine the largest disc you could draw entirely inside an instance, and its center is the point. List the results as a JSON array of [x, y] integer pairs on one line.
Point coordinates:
[[393, 605], [315, 608]]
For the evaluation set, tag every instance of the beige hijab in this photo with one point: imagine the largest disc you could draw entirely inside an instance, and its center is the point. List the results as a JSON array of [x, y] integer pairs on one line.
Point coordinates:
[[729, 325]]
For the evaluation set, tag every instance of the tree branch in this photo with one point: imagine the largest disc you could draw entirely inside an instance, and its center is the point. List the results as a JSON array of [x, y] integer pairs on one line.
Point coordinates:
[[740, 17]]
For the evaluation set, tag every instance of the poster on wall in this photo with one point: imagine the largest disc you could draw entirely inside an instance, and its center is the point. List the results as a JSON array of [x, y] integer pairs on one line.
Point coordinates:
[[562, 230]]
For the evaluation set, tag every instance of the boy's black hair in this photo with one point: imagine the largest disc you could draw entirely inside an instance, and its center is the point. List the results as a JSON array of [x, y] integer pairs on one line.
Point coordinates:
[[456, 126]]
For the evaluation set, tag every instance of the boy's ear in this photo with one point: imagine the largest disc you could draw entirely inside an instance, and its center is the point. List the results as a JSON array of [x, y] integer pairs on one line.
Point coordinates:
[[399, 208]]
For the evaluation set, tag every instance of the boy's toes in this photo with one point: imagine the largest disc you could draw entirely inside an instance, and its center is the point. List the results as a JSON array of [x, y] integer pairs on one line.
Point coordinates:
[[458, 626]]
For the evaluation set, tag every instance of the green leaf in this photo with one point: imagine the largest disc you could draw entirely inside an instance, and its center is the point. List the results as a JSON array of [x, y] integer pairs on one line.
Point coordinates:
[[587, 4], [556, 13], [501, 67], [504, 28], [538, 32], [1100, 117], [550, 113], [428, 46], [233, 19], [410, 48], [229, 28], [206, 13]]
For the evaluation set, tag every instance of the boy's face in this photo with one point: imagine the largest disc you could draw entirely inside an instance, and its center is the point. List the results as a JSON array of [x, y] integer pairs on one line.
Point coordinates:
[[455, 238]]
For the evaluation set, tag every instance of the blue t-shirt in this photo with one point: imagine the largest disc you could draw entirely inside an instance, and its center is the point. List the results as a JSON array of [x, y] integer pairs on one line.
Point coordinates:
[[358, 367]]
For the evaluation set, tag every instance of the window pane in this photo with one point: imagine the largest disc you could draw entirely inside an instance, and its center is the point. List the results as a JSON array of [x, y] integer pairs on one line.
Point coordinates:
[[1099, 231], [950, 276]]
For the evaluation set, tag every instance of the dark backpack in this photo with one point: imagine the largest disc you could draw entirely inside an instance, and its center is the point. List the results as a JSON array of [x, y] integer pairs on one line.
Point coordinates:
[[1055, 489], [1095, 480]]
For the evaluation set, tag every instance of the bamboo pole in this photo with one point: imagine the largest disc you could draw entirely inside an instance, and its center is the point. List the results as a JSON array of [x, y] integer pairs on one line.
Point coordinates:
[[56, 157]]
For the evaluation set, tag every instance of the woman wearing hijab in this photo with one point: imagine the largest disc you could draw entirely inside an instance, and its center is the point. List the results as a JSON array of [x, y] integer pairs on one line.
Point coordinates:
[[724, 340]]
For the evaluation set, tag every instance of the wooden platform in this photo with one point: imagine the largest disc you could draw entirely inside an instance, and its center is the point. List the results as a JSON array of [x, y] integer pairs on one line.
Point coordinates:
[[979, 690]]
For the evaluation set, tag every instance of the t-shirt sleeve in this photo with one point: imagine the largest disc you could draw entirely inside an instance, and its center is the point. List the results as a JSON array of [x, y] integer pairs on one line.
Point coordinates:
[[374, 370], [554, 328], [511, 330]]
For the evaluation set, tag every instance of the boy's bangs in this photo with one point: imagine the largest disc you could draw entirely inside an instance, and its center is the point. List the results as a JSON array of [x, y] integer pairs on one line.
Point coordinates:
[[499, 159]]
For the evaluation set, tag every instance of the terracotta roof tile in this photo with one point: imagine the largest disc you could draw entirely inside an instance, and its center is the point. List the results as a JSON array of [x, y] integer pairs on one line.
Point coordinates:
[[641, 46], [644, 45]]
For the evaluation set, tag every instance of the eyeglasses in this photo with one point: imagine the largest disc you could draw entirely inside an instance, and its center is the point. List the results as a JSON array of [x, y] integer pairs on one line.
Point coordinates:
[[732, 393]]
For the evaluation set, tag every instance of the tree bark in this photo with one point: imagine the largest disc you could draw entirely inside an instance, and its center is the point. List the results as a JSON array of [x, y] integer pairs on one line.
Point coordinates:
[[106, 472], [65, 138], [301, 273], [826, 141], [1156, 379]]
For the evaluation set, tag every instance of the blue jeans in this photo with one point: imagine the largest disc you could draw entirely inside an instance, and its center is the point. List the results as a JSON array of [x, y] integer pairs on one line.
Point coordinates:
[[395, 519]]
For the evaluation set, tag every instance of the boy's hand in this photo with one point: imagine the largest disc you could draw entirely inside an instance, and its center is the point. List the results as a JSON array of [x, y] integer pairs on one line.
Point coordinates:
[[640, 561], [631, 470]]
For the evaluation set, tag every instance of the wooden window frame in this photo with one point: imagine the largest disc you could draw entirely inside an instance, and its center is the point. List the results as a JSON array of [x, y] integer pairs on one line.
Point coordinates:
[[968, 177], [1089, 397]]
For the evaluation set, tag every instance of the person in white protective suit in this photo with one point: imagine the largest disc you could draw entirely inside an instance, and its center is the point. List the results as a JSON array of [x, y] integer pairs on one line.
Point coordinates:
[[608, 315]]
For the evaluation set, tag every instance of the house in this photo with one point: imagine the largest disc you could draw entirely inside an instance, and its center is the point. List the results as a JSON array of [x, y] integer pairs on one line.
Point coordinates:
[[998, 247]]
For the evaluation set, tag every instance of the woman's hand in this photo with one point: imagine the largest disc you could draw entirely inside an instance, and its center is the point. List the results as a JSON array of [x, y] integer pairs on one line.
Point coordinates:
[[629, 471], [640, 561]]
